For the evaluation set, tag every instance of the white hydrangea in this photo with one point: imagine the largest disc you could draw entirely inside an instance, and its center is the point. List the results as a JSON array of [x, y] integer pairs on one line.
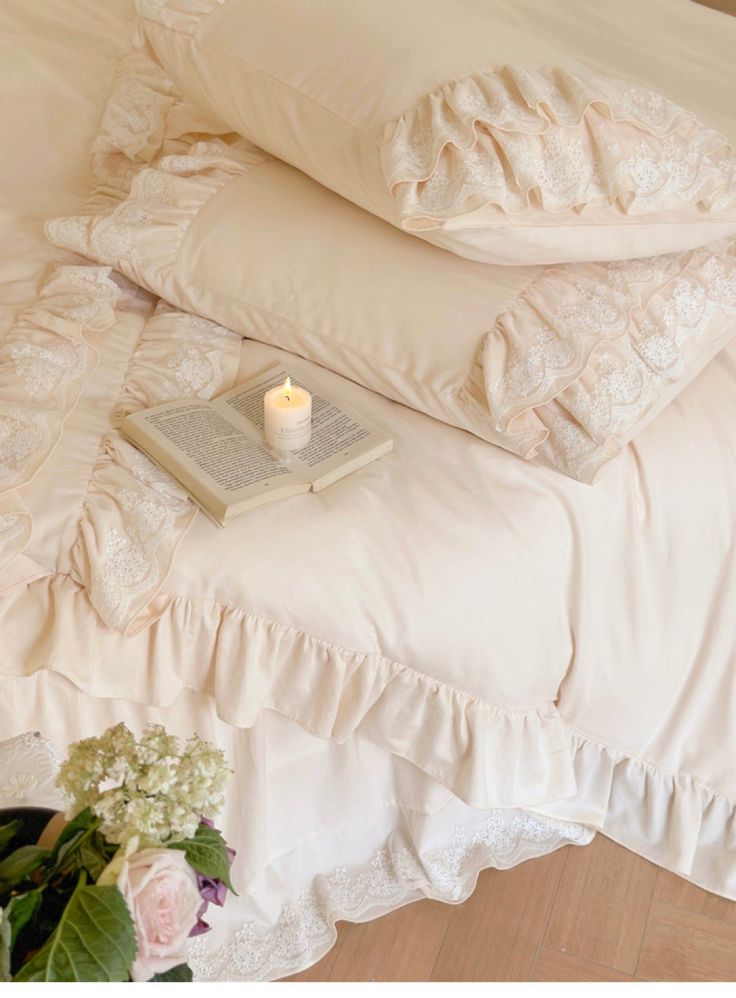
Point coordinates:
[[148, 788]]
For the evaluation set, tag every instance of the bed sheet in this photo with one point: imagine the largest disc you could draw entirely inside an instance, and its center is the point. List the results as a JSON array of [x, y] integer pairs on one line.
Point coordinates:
[[518, 638]]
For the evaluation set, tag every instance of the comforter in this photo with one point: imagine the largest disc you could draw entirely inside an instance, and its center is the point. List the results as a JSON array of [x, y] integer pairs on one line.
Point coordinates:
[[449, 660]]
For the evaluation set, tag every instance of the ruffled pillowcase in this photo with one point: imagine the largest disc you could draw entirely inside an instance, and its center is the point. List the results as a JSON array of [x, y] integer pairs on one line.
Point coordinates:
[[560, 364], [394, 106]]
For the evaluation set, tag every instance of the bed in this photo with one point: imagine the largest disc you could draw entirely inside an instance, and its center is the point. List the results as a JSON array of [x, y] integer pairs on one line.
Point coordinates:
[[451, 660]]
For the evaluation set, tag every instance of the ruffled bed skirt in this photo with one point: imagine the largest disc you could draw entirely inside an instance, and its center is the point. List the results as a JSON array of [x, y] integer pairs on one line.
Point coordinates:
[[324, 832], [329, 831], [248, 663]]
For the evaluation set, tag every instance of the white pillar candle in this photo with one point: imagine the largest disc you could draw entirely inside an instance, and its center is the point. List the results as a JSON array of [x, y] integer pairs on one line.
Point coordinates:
[[287, 411]]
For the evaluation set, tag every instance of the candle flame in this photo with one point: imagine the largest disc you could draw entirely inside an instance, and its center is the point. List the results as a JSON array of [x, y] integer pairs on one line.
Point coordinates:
[[286, 389]]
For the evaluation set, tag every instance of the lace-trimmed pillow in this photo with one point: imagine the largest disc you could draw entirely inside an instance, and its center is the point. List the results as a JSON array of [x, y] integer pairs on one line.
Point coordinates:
[[402, 109], [562, 364]]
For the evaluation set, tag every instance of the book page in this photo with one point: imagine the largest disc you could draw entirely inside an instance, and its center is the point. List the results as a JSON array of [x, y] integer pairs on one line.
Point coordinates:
[[224, 469], [338, 435], [216, 450], [216, 447]]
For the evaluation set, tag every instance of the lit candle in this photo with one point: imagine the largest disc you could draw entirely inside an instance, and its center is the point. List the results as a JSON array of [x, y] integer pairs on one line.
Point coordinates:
[[287, 423]]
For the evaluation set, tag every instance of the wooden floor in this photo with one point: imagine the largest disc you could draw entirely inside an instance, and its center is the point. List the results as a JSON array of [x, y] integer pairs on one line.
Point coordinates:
[[592, 913]]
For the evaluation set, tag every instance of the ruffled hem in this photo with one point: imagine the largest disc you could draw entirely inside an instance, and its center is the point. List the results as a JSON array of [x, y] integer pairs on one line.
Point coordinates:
[[395, 875], [672, 819], [139, 233], [154, 173], [248, 663], [586, 357], [134, 514], [667, 818], [520, 140], [45, 361]]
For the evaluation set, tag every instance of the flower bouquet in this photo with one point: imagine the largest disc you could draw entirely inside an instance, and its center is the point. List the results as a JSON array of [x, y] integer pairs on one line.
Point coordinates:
[[116, 895]]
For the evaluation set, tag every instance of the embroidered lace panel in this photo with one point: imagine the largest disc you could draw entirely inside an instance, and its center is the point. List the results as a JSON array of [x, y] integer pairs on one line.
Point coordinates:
[[519, 138], [44, 363], [574, 365], [136, 514], [28, 767], [395, 874]]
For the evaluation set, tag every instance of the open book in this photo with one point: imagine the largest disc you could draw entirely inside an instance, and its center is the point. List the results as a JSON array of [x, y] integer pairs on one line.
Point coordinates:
[[216, 450]]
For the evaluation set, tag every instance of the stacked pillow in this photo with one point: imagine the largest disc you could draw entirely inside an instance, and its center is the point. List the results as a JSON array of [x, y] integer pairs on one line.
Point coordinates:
[[449, 120], [403, 111]]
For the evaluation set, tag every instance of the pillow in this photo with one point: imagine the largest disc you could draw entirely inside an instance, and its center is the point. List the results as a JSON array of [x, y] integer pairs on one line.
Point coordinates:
[[562, 364], [454, 122]]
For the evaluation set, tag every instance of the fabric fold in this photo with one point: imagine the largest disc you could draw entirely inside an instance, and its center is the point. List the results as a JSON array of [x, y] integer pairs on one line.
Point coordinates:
[[140, 232], [15, 529], [45, 361], [248, 663], [670, 818], [134, 514], [587, 356], [557, 141], [183, 15]]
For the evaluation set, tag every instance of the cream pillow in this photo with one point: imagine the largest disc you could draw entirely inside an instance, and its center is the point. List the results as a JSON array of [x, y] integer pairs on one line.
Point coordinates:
[[461, 122], [563, 364]]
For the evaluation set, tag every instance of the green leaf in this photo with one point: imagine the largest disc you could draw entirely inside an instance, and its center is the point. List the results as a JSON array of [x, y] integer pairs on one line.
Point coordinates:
[[181, 973], [207, 853], [20, 910], [86, 851], [85, 821], [19, 865], [94, 940], [8, 832], [92, 855], [81, 847], [5, 939]]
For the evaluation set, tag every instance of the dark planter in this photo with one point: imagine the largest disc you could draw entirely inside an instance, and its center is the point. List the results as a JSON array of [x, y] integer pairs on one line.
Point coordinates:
[[34, 821]]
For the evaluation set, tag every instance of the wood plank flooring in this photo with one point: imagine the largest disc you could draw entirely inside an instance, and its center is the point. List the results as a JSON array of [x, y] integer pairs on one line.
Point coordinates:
[[596, 913]]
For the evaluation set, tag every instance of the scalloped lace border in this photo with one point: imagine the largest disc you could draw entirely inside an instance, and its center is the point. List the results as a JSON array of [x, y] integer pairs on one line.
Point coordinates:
[[394, 876]]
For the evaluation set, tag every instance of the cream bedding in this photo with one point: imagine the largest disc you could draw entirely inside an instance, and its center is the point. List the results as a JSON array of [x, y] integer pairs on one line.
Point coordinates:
[[562, 365], [465, 121], [451, 631]]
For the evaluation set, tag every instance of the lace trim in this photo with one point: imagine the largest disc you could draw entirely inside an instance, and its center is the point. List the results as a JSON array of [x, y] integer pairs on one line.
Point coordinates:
[[519, 139], [135, 514], [141, 235], [134, 120], [577, 363], [28, 767], [44, 363], [182, 15], [395, 875], [15, 528], [152, 176]]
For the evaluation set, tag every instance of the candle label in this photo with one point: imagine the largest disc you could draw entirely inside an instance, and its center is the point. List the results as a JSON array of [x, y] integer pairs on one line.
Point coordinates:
[[295, 435]]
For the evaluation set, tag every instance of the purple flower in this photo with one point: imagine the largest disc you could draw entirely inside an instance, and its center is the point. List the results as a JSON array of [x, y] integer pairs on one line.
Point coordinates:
[[212, 891]]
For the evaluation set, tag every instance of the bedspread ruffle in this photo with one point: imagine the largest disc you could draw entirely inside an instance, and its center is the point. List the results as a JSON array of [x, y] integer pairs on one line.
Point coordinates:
[[519, 139], [134, 514], [670, 818], [45, 361], [488, 755]]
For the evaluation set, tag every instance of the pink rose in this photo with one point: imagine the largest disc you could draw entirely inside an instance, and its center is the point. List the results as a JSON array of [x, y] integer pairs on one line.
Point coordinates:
[[161, 891]]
